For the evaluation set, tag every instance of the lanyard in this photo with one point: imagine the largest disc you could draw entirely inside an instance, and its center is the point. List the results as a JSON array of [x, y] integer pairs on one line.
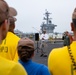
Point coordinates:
[[73, 66]]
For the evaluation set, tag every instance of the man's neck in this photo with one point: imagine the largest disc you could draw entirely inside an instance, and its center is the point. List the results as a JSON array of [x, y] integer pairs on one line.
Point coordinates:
[[11, 30], [74, 36]]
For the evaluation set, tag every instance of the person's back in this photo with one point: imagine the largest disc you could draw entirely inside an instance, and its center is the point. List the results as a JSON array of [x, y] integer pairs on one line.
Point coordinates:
[[34, 68], [59, 61], [26, 52], [8, 48]]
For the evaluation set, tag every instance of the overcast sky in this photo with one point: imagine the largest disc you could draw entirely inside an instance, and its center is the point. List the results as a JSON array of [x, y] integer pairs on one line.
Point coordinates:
[[30, 13]]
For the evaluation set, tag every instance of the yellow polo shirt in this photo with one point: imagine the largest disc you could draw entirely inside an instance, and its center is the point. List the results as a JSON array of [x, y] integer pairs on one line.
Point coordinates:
[[8, 48], [59, 61], [10, 68]]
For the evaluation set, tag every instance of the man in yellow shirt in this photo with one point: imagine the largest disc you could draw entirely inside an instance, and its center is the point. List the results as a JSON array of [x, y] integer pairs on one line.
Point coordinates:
[[7, 67], [8, 48], [62, 61]]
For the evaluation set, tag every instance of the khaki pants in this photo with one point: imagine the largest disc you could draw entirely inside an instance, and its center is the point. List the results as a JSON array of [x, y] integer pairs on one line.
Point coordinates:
[[43, 47]]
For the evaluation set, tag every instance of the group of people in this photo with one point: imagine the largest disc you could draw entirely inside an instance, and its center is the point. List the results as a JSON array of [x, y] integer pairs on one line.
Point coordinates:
[[16, 53]]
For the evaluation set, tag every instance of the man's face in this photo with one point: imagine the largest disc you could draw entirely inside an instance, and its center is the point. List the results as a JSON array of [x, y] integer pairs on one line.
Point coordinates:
[[44, 32]]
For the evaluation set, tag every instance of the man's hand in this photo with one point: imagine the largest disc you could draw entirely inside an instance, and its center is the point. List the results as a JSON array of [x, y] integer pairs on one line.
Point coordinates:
[[43, 39]]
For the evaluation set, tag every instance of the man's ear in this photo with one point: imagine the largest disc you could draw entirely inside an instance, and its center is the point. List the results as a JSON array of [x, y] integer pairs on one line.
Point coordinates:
[[72, 27]]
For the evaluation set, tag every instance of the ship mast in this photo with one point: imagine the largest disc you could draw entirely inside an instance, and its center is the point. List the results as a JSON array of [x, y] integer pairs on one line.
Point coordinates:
[[47, 17]]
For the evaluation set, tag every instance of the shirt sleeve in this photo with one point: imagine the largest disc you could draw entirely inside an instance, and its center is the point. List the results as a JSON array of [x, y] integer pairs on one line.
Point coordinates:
[[17, 70]]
